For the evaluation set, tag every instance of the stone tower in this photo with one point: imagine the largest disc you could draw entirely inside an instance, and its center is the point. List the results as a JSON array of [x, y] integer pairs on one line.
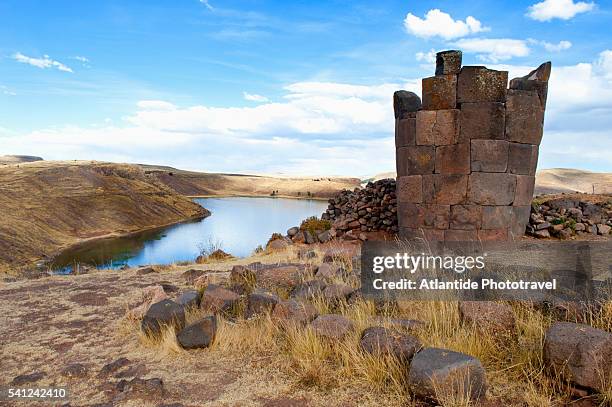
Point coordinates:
[[466, 156]]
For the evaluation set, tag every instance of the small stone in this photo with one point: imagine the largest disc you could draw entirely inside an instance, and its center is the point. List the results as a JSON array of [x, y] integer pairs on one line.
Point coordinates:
[[142, 388], [260, 302], [489, 155], [324, 237], [337, 292], [332, 326], [603, 230], [200, 334], [114, 366], [278, 276], [294, 312], [146, 270], [448, 62], [405, 103], [218, 299], [192, 275], [441, 374], [189, 298], [379, 340], [580, 353], [542, 234], [439, 92], [163, 313], [329, 271]]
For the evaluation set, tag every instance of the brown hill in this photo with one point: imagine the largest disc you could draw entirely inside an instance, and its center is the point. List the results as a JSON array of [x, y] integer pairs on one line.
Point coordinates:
[[48, 206], [15, 159], [210, 184]]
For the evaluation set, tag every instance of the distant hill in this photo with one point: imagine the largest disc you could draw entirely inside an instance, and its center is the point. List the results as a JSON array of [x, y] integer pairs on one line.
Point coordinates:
[[15, 159], [555, 181], [193, 183]]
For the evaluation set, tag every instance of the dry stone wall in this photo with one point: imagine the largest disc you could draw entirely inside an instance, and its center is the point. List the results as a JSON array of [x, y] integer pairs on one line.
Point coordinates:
[[466, 156]]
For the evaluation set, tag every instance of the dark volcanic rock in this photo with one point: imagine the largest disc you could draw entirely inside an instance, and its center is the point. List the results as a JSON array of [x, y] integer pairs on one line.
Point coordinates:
[[163, 313], [200, 334], [377, 340]]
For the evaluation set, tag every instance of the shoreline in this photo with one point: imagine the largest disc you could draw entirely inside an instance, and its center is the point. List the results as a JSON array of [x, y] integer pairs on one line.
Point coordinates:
[[259, 196]]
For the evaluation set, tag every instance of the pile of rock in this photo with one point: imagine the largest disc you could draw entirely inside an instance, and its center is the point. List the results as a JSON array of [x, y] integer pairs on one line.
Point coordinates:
[[369, 209], [566, 217]]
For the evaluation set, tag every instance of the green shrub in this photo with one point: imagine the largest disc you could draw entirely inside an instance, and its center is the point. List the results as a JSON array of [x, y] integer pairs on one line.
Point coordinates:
[[314, 224]]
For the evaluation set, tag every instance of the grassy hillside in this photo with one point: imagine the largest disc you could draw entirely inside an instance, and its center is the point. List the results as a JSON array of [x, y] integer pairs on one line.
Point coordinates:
[[209, 184], [47, 206]]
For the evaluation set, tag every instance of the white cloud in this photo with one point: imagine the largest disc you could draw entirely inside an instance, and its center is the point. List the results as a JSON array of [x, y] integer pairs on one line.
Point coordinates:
[[562, 9], [81, 59], [252, 97], [440, 24], [6, 91], [494, 49], [429, 57], [42, 63], [155, 105], [207, 4], [561, 46]]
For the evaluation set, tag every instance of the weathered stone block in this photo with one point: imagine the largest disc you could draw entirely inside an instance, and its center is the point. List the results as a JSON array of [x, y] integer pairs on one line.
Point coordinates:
[[439, 127], [433, 235], [408, 215], [410, 188], [491, 188], [457, 235], [440, 92], [488, 235], [524, 190], [405, 132], [425, 125], [536, 80], [479, 84], [405, 104], [415, 160], [448, 62], [482, 120], [524, 117], [445, 189], [522, 158], [446, 130], [489, 155], [496, 217], [453, 159], [519, 220], [466, 217], [434, 216]]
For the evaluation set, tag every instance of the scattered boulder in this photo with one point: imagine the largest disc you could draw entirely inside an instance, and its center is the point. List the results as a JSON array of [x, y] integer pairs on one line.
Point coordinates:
[[337, 292], [150, 295], [168, 287], [141, 388], [309, 289], [114, 366], [282, 276], [218, 299], [580, 353], [243, 279], [260, 302], [332, 326], [441, 374], [294, 312], [146, 270], [293, 231], [200, 334], [488, 316], [189, 299], [325, 236], [305, 254], [379, 340], [603, 230], [75, 370], [329, 271], [278, 245], [163, 313], [192, 275], [27, 378]]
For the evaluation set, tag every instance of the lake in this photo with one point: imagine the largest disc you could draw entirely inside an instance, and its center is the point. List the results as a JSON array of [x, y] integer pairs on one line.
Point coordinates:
[[237, 224]]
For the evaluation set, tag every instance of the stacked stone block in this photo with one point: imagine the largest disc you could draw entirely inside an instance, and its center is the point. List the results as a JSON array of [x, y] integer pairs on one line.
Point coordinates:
[[466, 157]]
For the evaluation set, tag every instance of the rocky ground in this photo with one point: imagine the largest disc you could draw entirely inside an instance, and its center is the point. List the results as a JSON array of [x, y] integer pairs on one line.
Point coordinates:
[[287, 328]]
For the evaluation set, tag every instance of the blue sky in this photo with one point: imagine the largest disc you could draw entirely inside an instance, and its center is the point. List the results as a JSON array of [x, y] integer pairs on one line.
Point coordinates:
[[280, 87]]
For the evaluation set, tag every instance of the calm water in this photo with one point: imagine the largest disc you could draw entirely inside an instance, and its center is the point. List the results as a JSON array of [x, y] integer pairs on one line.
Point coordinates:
[[238, 224]]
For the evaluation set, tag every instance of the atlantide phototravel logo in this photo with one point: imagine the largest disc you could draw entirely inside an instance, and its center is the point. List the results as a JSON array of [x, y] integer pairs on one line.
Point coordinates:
[[487, 271]]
